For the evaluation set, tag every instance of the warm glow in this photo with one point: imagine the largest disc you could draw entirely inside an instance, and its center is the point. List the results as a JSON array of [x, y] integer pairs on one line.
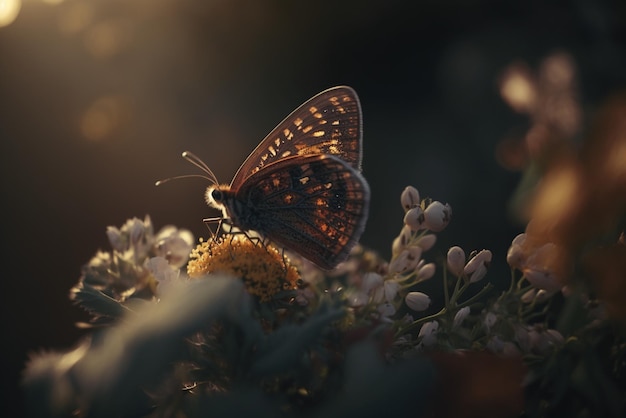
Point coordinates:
[[616, 159], [559, 193], [107, 38], [558, 70], [102, 118], [76, 17], [9, 10], [518, 90]]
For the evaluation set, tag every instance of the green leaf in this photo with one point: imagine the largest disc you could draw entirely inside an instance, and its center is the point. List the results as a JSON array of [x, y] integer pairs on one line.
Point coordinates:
[[105, 376], [97, 303], [283, 349], [373, 389]]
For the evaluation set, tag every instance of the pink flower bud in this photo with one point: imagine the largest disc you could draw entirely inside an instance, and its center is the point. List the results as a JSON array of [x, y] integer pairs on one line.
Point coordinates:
[[115, 238], [427, 333], [426, 242], [460, 316], [516, 254], [417, 301], [386, 309], [409, 198], [406, 261], [477, 267], [401, 241], [414, 218], [426, 271], [371, 281], [542, 279], [456, 260], [437, 216]]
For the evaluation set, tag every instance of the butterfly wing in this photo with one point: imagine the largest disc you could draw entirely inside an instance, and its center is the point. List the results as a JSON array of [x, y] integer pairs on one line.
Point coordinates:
[[329, 123], [316, 205]]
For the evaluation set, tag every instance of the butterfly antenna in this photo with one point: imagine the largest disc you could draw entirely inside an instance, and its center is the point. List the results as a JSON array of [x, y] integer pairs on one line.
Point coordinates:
[[193, 159], [185, 176]]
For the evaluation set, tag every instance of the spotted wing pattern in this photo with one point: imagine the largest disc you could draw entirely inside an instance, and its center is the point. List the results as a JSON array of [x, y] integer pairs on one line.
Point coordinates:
[[314, 204], [329, 123]]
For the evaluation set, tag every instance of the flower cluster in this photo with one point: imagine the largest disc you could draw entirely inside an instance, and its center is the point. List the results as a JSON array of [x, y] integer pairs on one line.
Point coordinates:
[[251, 316], [386, 288], [139, 261], [266, 273]]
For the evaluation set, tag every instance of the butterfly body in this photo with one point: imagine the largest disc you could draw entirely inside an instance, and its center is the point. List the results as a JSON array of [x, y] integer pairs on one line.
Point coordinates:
[[301, 187], [314, 204]]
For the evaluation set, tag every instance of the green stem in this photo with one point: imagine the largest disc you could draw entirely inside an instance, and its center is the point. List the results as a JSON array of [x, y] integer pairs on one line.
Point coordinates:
[[413, 325], [446, 292], [477, 296]]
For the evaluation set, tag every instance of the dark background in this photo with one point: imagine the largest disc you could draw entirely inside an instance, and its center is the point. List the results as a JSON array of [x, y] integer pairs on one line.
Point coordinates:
[[99, 98]]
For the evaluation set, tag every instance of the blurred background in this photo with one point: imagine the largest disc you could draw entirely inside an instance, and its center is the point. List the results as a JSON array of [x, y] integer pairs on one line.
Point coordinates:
[[99, 98]]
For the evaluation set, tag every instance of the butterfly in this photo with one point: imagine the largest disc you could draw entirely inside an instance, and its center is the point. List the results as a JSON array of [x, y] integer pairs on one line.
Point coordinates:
[[302, 186]]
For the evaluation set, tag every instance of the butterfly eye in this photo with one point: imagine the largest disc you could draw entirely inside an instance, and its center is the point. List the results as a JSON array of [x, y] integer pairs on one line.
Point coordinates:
[[217, 195]]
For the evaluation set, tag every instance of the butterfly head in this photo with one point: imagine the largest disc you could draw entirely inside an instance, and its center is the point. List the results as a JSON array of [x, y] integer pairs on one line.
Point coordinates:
[[216, 196]]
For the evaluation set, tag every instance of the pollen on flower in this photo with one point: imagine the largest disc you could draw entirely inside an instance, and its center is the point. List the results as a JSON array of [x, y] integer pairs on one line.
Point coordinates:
[[262, 267]]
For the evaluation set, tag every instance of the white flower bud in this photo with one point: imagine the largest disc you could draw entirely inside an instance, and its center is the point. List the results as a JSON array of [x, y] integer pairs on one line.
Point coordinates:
[[542, 279], [426, 242], [460, 316], [386, 309], [174, 244], [409, 198], [401, 241], [136, 231], [371, 281], [426, 271], [417, 301], [542, 255], [456, 260], [520, 239], [515, 255], [115, 238], [400, 263], [406, 261], [414, 218], [415, 255], [387, 292], [161, 269], [490, 320], [437, 216], [427, 333], [162, 272], [477, 267]]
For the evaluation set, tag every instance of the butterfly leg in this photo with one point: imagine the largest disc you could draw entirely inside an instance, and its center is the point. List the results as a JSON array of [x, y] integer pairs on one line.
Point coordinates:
[[285, 261], [210, 221]]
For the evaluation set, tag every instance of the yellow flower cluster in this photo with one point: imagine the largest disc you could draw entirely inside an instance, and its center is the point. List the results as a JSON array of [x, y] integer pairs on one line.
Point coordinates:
[[262, 267]]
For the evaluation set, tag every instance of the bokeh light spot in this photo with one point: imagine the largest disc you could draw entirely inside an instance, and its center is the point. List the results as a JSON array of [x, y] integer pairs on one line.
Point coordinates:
[[517, 89], [103, 117], [9, 9], [106, 39], [75, 18]]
